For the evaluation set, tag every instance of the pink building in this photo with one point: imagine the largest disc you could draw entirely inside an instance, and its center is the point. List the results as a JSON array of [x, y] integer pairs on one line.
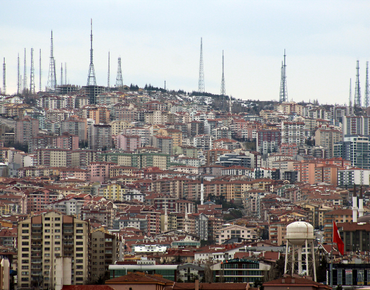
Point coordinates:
[[99, 171], [73, 173], [128, 142], [67, 141]]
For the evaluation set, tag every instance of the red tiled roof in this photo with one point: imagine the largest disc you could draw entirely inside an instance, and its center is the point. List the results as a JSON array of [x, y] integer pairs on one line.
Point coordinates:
[[139, 278], [87, 287]]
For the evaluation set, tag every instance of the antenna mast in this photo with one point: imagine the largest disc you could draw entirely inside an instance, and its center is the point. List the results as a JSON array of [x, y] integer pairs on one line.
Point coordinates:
[[201, 69], [61, 74], [91, 80], [350, 97], [357, 89], [25, 73], [52, 79], [32, 75], [4, 77], [65, 73], [40, 87], [108, 82], [18, 78], [283, 83], [367, 86], [223, 90]]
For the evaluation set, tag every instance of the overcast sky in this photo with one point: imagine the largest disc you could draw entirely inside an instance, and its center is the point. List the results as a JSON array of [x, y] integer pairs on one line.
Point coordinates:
[[160, 40]]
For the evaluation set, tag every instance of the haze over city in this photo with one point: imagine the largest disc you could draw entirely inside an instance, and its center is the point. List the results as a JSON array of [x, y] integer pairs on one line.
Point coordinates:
[[159, 41]]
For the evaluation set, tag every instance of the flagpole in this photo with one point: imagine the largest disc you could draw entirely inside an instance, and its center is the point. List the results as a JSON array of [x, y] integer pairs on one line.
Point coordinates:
[[331, 265]]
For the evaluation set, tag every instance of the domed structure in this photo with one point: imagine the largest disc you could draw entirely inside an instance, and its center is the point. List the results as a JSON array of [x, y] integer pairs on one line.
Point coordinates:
[[298, 232], [364, 219]]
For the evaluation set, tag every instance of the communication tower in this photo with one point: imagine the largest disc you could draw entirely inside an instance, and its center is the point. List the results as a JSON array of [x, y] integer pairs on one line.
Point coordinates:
[[40, 72], [25, 73], [32, 75], [201, 69], [91, 80], [18, 77], [119, 80], [223, 89], [358, 89], [52, 78], [283, 83], [108, 82], [367, 86], [4, 77]]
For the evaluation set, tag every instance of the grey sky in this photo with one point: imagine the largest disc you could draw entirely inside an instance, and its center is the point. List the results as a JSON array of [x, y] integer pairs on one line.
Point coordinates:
[[159, 40]]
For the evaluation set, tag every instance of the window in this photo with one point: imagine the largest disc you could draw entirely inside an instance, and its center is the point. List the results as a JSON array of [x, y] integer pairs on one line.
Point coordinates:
[[47, 218], [57, 219], [79, 243], [25, 243], [25, 231], [79, 231], [25, 255], [57, 225], [24, 249], [79, 225], [47, 225], [25, 225], [57, 248]]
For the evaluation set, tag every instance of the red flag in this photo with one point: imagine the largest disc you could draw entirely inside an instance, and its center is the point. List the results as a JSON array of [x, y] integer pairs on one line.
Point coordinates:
[[337, 239]]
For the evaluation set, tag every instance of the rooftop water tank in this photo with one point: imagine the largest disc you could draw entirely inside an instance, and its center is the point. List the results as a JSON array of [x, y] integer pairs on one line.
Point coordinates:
[[298, 232]]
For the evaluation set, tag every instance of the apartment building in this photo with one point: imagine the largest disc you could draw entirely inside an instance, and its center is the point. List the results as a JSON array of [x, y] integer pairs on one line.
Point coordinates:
[[104, 252], [44, 238], [26, 129], [292, 132], [100, 136], [327, 137]]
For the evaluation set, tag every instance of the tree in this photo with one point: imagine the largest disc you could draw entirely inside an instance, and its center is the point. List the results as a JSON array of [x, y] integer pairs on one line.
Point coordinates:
[[208, 275]]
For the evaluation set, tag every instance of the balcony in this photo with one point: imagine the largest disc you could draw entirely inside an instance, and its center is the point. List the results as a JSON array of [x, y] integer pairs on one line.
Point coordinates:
[[36, 273]]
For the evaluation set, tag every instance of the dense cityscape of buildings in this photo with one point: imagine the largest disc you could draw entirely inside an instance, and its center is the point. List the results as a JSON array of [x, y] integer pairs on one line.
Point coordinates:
[[99, 183]]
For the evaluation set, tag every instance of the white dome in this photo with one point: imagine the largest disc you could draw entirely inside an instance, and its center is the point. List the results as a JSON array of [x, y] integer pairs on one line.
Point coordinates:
[[298, 232]]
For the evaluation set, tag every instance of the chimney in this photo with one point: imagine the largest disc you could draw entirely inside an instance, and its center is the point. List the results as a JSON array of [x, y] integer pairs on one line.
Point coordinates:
[[354, 205], [197, 284], [361, 204]]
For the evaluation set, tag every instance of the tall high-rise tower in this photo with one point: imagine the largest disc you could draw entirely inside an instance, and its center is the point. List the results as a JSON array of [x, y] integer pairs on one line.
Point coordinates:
[[4, 77], [357, 88], [91, 80], [201, 69], [52, 78], [25, 73], [119, 80], [18, 78], [32, 75], [367, 86], [223, 89], [283, 83], [108, 82]]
